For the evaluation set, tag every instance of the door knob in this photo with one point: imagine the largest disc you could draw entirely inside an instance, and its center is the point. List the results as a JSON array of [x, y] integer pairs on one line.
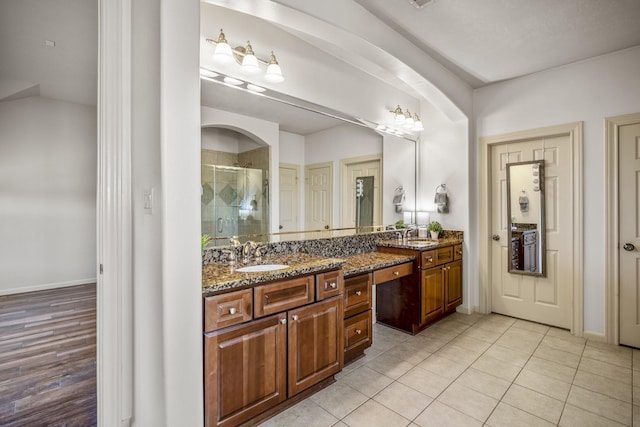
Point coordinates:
[[629, 247], [280, 227], [326, 227], [495, 237]]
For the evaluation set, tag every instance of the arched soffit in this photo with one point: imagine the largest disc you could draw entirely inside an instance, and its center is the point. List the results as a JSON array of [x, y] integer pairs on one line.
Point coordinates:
[[358, 38], [254, 138]]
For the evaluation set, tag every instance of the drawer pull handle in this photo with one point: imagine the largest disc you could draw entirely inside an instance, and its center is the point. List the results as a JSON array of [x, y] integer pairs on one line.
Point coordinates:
[[430, 259], [358, 293], [333, 285], [294, 317], [396, 273], [232, 310], [358, 331], [459, 252], [283, 321]]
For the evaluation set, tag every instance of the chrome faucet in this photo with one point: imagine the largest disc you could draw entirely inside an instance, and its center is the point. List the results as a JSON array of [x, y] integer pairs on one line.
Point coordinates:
[[248, 250], [233, 241]]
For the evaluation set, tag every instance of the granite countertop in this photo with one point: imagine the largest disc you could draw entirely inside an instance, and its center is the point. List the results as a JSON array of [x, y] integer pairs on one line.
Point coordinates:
[[420, 244], [363, 263], [222, 277]]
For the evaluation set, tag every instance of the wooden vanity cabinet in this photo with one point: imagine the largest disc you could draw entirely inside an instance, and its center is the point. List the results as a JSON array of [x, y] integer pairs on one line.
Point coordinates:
[[294, 341], [436, 284], [358, 333]]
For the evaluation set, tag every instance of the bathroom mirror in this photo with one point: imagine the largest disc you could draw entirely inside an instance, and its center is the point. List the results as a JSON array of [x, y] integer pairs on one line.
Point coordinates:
[[526, 214]]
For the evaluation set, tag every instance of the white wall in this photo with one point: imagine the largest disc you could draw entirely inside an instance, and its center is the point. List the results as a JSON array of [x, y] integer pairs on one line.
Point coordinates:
[[398, 169], [47, 194], [292, 148], [586, 91]]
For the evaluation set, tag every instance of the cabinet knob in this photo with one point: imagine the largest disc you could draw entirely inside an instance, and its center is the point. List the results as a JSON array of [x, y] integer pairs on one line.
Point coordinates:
[[358, 331], [444, 268], [449, 268], [429, 259], [396, 273], [294, 317], [232, 310], [358, 293], [283, 321], [333, 285]]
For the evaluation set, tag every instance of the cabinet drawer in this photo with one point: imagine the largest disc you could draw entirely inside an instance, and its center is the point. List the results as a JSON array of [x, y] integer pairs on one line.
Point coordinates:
[[229, 309], [436, 257], [357, 331], [329, 284], [529, 238], [281, 296], [391, 273], [457, 252], [357, 294]]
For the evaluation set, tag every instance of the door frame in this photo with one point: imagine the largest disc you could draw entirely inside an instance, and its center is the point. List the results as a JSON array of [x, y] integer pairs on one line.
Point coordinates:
[[612, 241], [344, 167], [575, 133], [299, 210]]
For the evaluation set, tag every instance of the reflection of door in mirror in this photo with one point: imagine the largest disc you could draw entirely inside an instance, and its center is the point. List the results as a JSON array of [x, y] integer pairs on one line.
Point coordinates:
[[352, 170], [525, 195], [364, 202], [289, 194], [318, 196], [234, 179]]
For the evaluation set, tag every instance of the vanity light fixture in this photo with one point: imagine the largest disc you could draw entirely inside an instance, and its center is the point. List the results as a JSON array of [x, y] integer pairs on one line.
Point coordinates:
[[245, 56], [412, 123]]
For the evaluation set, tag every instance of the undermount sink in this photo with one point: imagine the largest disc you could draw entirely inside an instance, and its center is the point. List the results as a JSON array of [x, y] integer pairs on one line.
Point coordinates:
[[421, 244], [261, 268]]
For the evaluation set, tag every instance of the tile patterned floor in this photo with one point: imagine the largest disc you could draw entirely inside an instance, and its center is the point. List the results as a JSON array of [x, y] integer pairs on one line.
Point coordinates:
[[479, 370]]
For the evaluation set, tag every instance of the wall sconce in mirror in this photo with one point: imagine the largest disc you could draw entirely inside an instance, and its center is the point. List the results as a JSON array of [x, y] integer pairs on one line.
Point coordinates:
[[441, 199], [404, 118], [246, 58], [398, 198], [526, 215]]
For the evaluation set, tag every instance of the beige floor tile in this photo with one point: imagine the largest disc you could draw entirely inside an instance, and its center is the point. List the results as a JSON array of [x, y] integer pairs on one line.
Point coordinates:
[[339, 424], [439, 334], [339, 399], [520, 340], [403, 399], [509, 355], [411, 352], [390, 366], [534, 403], [507, 416], [572, 416], [373, 414], [600, 404], [610, 347], [636, 416], [468, 401], [615, 358], [636, 360], [482, 334], [495, 324], [604, 369], [470, 343], [458, 354], [564, 344], [543, 384], [565, 335], [484, 383], [306, 413], [450, 324], [426, 382], [438, 415], [443, 366], [366, 381], [551, 369], [469, 319], [496, 367], [603, 385], [430, 343], [636, 395], [636, 378], [531, 326], [547, 352]]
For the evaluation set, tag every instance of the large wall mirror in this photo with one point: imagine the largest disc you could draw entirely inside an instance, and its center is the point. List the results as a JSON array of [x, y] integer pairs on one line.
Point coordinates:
[[526, 213]]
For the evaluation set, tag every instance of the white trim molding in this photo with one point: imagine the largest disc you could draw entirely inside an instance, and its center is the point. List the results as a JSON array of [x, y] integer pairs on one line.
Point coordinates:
[[612, 271], [47, 286], [574, 132], [114, 252]]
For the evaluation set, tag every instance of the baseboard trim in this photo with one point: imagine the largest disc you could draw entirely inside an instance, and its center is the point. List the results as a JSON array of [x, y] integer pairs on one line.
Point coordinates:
[[594, 336], [464, 309], [47, 286]]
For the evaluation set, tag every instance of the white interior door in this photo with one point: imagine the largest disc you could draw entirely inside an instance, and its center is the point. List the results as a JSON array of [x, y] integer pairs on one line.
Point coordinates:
[[318, 196], [353, 169], [540, 299], [629, 238], [289, 195]]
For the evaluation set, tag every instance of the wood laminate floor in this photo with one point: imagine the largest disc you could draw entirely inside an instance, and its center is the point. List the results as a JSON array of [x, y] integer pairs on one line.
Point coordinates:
[[48, 358]]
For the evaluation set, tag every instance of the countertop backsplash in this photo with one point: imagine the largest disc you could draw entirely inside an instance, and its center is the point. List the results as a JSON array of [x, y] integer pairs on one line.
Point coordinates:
[[328, 247]]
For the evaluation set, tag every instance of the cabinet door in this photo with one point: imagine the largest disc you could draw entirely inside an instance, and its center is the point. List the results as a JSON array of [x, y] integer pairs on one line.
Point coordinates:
[[453, 286], [244, 370], [316, 343], [432, 293]]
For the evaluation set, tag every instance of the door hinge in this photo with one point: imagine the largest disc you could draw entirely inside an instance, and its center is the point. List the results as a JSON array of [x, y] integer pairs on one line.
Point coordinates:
[[101, 269]]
